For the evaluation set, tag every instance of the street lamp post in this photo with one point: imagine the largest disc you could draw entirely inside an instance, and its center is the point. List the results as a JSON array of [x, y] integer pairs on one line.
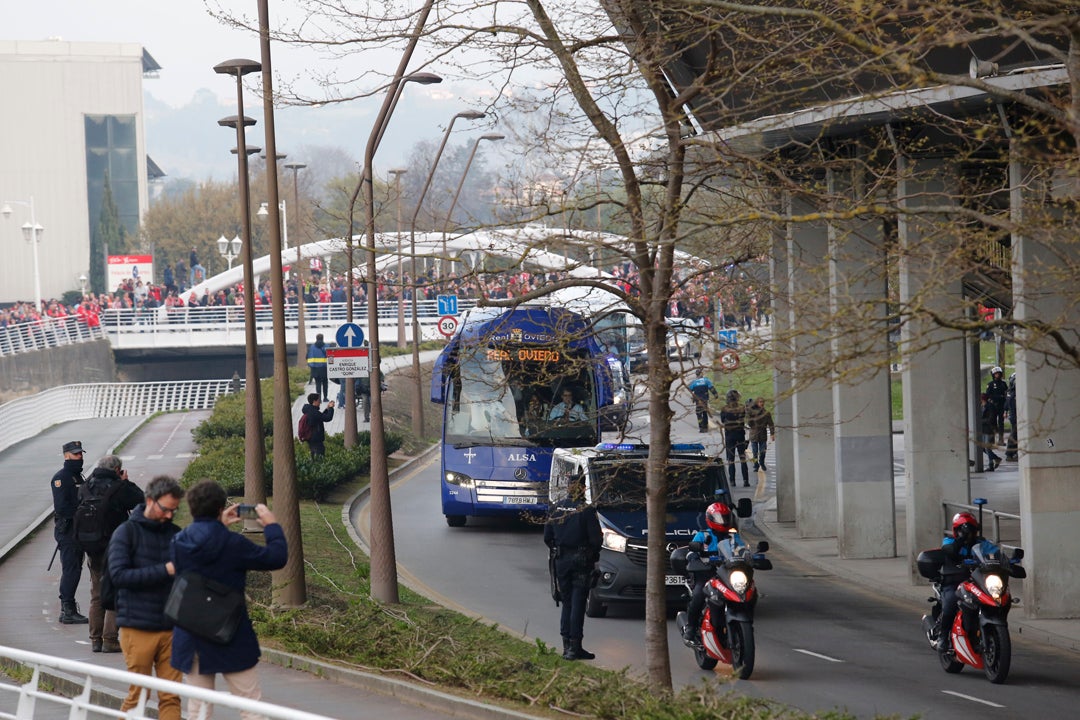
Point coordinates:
[[301, 337], [457, 193], [32, 233], [397, 173], [254, 449], [264, 213], [417, 399], [229, 249]]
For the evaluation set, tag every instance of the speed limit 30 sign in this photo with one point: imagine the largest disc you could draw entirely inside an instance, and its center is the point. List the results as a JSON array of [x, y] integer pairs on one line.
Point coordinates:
[[729, 360], [448, 324]]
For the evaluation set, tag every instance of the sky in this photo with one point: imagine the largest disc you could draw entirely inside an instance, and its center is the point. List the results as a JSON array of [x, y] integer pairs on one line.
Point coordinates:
[[187, 42]]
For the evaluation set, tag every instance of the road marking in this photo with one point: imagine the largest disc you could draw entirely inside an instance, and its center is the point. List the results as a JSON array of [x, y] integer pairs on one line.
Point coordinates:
[[972, 698], [179, 423], [154, 457], [185, 456], [818, 655]]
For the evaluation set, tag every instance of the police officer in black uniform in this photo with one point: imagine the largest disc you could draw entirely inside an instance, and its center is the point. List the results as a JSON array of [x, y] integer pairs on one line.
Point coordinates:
[[573, 534], [65, 491]]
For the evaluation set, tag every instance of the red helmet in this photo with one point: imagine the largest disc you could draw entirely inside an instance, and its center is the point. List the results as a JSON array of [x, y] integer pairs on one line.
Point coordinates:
[[716, 517], [961, 519]]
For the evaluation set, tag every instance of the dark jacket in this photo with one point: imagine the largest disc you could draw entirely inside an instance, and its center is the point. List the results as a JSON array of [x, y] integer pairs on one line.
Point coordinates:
[[316, 418], [996, 392], [574, 525], [65, 491], [733, 418], [123, 500], [761, 424], [138, 552], [213, 550], [989, 418], [316, 356]]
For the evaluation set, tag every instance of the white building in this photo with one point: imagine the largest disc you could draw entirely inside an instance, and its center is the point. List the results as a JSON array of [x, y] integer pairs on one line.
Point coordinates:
[[73, 114]]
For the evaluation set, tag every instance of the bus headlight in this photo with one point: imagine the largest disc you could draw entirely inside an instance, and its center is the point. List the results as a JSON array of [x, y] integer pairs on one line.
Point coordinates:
[[460, 479], [994, 586], [613, 540], [739, 581]]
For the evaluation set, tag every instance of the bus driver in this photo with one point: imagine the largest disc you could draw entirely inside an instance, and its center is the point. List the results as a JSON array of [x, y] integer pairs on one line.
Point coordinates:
[[567, 411]]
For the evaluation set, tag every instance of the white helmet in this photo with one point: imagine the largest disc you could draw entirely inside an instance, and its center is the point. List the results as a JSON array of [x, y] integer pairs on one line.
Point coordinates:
[[995, 370]]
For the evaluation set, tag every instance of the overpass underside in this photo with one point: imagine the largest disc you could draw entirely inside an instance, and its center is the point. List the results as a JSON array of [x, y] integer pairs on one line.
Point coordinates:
[[897, 218]]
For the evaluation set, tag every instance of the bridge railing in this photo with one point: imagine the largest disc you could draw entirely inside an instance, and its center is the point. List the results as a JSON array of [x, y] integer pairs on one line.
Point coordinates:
[[28, 416], [95, 699], [46, 333]]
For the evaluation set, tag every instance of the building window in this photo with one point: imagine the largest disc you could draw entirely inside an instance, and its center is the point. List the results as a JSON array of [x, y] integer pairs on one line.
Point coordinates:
[[111, 152]]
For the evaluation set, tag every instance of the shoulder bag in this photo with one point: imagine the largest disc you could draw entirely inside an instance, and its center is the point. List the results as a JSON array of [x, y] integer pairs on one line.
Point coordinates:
[[204, 607]]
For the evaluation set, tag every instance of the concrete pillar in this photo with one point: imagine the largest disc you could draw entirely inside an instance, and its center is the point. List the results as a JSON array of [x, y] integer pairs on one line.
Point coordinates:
[[858, 282], [782, 451], [1044, 261], [935, 413], [811, 407]]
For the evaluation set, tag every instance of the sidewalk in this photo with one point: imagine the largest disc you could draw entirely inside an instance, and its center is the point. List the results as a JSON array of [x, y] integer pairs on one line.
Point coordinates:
[[890, 576]]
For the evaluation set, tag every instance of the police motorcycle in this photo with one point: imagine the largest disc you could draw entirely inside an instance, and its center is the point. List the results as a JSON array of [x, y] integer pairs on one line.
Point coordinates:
[[727, 623], [980, 631]]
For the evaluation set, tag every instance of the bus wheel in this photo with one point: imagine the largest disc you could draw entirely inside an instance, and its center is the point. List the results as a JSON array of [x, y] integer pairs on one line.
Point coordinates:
[[455, 520], [593, 607]]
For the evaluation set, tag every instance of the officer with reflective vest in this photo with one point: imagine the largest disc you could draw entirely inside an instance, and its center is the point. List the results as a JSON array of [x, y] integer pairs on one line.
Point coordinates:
[[316, 362]]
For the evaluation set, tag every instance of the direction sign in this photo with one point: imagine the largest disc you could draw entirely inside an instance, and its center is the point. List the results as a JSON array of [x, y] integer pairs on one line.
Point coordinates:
[[349, 335], [448, 324], [344, 363], [447, 304], [728, 338]]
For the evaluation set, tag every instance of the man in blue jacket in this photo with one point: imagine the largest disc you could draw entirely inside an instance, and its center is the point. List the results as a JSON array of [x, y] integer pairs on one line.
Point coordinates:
[[207, 546], [142, 573], [316, 362]]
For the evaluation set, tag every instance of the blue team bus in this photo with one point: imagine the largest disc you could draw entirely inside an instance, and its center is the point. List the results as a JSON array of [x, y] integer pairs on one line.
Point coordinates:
[[502, 381]]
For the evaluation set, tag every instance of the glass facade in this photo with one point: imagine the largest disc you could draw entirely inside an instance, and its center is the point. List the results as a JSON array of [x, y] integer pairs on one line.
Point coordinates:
[[111, 152]]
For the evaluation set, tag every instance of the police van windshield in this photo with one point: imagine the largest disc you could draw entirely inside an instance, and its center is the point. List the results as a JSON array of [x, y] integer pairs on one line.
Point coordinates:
[[521, 395], [620, 485]]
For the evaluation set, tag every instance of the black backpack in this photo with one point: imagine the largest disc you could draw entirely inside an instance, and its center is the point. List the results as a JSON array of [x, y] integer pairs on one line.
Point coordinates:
[[91, 519]]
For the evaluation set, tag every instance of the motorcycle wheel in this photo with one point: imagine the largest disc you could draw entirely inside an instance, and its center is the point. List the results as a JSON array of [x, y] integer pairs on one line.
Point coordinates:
[[704, 660], [741, 640], [593, 607], [997, 653]]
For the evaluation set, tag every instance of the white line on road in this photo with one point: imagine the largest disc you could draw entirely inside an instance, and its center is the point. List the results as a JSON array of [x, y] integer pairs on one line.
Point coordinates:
[[818, 655], [186, 455], [972, 698], [154, 457]]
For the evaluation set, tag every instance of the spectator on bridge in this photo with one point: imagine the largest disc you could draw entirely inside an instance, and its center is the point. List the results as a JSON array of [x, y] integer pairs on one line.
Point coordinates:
[[65, 492], [179, 275], [197, 270], [167, 279], [315, 419], [316, 362]]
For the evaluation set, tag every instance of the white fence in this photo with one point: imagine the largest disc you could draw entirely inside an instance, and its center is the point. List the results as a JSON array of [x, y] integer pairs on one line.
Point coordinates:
[[46, 333], [28, 416], [90, 702]]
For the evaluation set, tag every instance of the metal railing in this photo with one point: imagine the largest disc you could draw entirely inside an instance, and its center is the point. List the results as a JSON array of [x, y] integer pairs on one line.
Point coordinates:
[[95, 699], [46, 333], [996, 516], [28, 416]]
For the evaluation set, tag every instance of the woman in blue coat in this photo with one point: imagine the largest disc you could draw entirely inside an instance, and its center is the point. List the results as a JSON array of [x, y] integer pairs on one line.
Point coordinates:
[[207, 546]]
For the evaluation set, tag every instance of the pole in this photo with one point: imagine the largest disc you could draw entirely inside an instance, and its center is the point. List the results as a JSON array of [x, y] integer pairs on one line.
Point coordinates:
[[301, 337], [289, 587], [37, 267], [401, 280], [457, 193]]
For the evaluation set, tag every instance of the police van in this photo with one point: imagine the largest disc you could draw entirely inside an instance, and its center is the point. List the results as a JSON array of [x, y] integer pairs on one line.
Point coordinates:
[[614, 478]]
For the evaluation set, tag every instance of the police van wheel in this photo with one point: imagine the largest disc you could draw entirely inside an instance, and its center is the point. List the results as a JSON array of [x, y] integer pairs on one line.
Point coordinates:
[[593, 607], [455, 520]]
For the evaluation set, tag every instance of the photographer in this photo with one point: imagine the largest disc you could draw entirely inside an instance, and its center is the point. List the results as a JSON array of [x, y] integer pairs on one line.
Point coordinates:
[[316, 418]]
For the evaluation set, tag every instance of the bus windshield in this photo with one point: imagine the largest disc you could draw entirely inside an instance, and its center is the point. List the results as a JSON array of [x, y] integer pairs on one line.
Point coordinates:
[[521, 395], [620, 485]]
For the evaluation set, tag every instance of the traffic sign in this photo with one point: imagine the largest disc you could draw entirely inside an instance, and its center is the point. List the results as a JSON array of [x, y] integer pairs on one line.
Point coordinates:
[[728, 338], [447, 304], [349, 335], [729, 360], [344, 363], [448, 325]]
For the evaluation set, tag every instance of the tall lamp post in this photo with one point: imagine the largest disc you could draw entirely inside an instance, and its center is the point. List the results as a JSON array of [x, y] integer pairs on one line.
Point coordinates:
[[397, 173], [417, 399], [301, 336], [229, 249], [457, 193], [254, 448], [32, 233]]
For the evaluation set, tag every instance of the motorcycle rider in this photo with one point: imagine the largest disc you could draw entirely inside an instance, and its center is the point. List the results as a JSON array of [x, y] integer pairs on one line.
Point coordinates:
[[966, 534], [718, 522]]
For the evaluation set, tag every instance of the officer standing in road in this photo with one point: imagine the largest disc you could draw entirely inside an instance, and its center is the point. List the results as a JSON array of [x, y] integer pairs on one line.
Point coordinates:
[[65, 492], [573, 535]]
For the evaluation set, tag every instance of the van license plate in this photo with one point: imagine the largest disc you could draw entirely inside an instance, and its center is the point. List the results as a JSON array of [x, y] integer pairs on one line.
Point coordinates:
[[520, 501], [674, 580]]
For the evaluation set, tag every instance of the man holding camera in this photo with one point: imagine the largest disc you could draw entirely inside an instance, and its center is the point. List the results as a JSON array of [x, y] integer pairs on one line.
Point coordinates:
[[315, 418]]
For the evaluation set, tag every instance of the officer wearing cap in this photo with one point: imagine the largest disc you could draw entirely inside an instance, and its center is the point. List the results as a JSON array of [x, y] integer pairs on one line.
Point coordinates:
[[65, 492]]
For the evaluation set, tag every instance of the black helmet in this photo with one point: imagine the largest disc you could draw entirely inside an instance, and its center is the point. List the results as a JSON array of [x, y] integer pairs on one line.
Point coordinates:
[[733, 396]]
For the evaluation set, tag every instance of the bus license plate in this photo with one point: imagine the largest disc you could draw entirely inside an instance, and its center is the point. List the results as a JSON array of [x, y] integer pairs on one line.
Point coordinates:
[[673, 580], [520, 501]]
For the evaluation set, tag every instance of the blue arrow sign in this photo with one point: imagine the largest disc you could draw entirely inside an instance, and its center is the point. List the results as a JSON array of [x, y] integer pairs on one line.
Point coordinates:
[[447, 304], [349, 335]]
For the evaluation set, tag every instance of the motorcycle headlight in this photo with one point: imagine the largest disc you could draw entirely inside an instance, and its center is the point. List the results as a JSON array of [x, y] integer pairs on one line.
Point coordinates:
[[459, 479], [994, 585], [613, 540], [739, 581]]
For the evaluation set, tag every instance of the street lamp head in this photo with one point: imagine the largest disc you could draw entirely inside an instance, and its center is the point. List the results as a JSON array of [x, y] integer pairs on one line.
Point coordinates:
[[223, 245], [263, 212], [236, 244], [6, 211], [248, 150], [398, 171], [32, 233], [423, 78], [471, 115], [232, 120], [280, 156], [492, 137], [294, 166], [238, 67]]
